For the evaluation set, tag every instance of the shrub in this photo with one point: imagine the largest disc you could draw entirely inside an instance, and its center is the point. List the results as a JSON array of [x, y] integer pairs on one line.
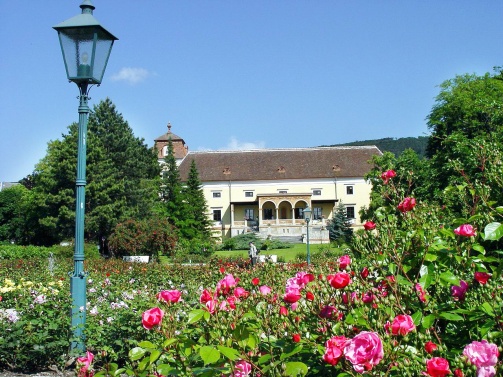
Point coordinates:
[[150, 237]]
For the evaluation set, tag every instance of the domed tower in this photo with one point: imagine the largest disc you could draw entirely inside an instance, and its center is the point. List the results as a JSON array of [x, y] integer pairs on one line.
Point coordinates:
[[179, 147]]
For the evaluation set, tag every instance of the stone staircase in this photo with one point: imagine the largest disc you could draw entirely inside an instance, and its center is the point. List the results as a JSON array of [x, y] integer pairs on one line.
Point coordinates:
[[289, 239]]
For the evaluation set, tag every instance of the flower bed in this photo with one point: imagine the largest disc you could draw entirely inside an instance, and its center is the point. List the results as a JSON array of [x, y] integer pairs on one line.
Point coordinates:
[[413, 296]]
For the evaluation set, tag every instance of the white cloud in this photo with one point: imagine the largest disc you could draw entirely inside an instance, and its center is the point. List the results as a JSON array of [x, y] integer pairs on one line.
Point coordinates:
[[131, 75], [235, 144]]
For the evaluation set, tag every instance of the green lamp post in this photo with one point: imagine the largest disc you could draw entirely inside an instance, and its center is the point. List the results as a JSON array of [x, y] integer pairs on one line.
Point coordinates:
[[307, 217], [86, 47]]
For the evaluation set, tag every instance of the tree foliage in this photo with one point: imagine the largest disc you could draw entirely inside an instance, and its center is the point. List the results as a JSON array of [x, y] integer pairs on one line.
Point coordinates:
[[184, 205], [12, 221], [121, 175], [397, 146], [468, 110], [339, 227], [151, 237], [172, 190], [197, 218]]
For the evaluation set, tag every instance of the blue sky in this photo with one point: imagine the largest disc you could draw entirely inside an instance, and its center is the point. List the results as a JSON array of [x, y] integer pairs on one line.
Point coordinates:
[[244, 74]]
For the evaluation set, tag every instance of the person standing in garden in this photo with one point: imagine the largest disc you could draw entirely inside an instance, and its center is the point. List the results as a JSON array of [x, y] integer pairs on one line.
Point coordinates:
[[252, 253]]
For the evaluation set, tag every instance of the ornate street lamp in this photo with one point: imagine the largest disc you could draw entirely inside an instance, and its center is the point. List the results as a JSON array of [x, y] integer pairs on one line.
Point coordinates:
[[307, 216], [86, 47]]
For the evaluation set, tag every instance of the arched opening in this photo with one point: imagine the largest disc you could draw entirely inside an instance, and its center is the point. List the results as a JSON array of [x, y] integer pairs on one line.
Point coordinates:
[[285, 210], [268, 211]]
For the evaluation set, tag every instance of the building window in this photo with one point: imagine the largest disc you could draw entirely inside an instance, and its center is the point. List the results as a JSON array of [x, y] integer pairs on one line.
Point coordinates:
[[349, 190], [249, 194], [350, 212], [299, 213], [217, 215], [217, 194], [316, 192], [267, 213], [249, 214], [317, 213]]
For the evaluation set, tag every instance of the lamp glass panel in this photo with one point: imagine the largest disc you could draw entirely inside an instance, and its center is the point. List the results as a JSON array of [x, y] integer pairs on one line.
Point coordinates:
[[77, 45], [102, 52]]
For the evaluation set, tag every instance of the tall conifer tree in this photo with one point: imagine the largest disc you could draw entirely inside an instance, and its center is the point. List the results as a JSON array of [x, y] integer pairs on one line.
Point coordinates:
[[172, 190], [196, 204]]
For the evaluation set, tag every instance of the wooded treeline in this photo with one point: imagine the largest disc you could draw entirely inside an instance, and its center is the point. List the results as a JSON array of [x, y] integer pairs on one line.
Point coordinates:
[[395, 145]]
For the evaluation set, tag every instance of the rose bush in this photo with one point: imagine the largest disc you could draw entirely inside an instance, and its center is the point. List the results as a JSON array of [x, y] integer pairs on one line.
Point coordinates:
[[413, 298]]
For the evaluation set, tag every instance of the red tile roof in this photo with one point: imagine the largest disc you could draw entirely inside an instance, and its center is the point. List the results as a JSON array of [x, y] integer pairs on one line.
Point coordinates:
[[278, 164]]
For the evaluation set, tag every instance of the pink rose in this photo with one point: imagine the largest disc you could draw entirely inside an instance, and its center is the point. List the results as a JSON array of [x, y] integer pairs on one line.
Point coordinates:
[[292, 295], [364, 351], [241, 369], [169, 296], [339, 280], [486, 372], [84, 365], [421, 292], [387, 175], [211, 305], [459, 291], [482, 277], [483, 355], [225, 285], [344, 261], [151, 318], [402, 325], [465, 230], [334, 349], [369, 225], [368, 297], [437, 367], [407, 205], [240, 292], [300, 280], [264, 290]]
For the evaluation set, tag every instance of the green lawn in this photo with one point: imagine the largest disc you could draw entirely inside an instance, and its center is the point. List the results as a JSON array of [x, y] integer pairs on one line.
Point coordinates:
[[288, 254]]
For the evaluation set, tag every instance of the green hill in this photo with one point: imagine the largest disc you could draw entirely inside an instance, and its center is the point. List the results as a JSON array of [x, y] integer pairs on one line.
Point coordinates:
[[394, 145]]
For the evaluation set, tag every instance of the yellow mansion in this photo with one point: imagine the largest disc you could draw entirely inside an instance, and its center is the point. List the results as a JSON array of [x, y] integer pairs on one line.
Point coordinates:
[[266, 190]]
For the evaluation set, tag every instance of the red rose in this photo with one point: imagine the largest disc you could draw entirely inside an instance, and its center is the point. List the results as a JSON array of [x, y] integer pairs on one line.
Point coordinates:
[[255, 281], [369, 225], [437, 367], [339, 280], [482, 277], [364, 273], [387, 175], [296, 338], [309, 296], [430, 347], [458, 373], [283, 310], [407, 205]]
